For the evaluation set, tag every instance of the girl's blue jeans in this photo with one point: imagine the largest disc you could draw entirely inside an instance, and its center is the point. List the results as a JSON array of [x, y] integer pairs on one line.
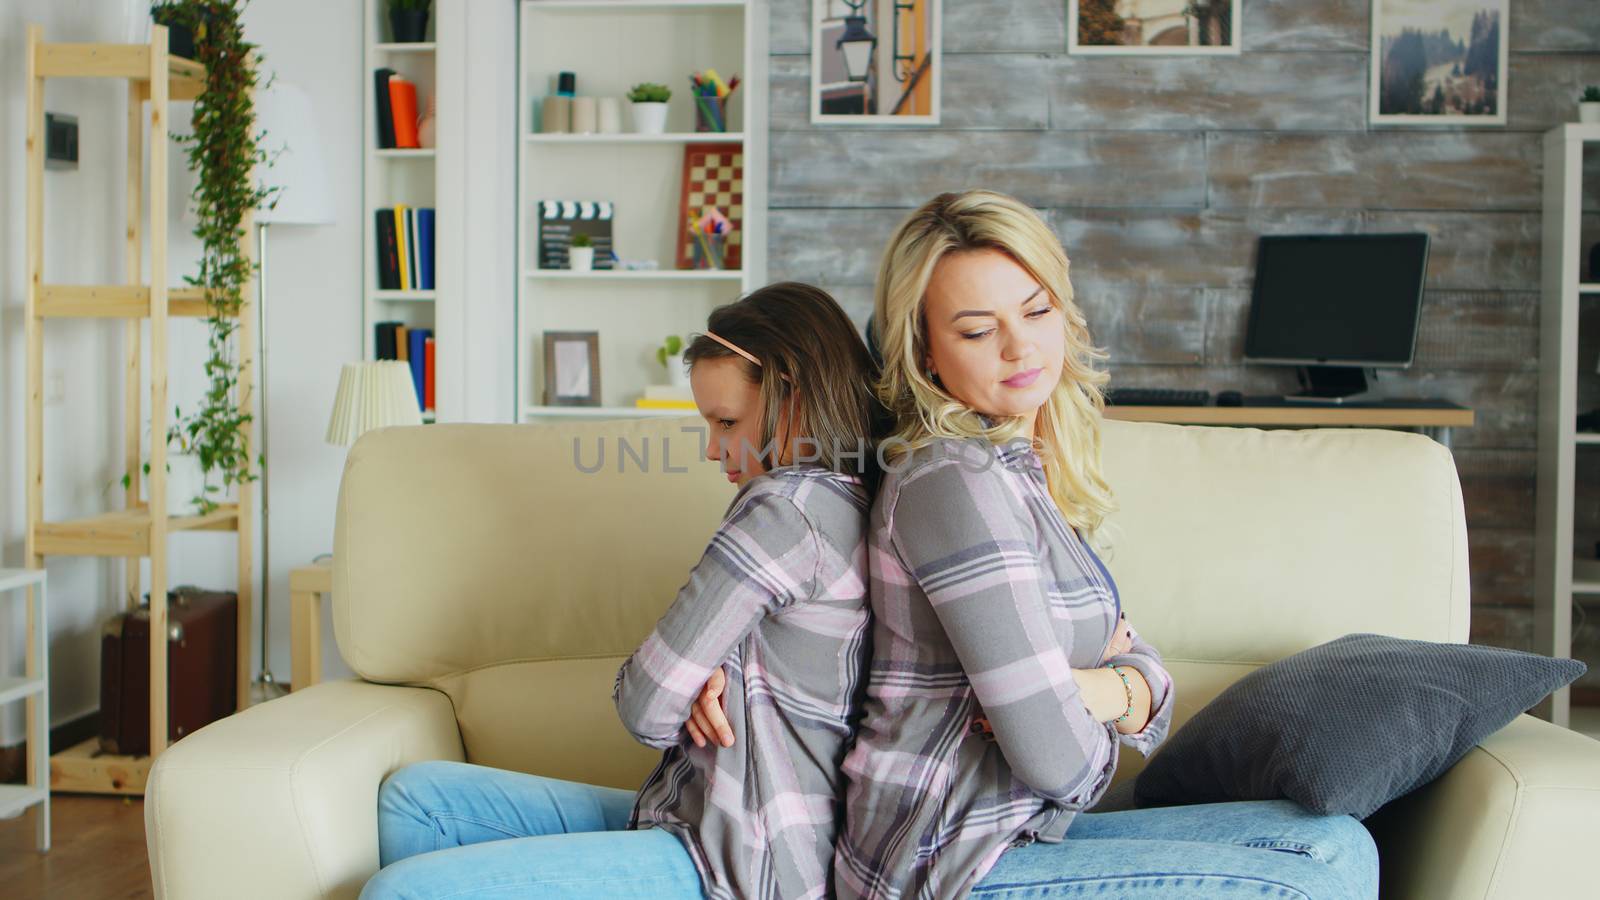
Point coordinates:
[[456, 830]]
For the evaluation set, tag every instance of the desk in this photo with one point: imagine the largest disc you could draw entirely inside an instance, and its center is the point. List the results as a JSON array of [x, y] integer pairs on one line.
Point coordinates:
[[1433, 420], [307, 585]]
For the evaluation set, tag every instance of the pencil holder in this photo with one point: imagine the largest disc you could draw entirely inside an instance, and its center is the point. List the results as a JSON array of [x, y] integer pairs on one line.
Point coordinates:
[[710, 113], [708, 250]]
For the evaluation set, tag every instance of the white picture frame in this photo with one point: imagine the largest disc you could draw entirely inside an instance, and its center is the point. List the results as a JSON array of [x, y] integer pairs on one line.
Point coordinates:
[[1390, 18], [918, 58], [1168, 16]]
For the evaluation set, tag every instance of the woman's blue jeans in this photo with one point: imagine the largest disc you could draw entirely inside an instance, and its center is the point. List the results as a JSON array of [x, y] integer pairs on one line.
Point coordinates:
[[456, 830]]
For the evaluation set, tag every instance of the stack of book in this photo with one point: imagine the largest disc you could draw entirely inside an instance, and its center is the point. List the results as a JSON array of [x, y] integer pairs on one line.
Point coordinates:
[[397, 110], [405, 248], [396, 340], [666, 396]]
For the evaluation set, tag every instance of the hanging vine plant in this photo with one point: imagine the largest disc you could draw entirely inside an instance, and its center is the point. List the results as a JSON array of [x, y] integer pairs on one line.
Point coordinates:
[[224, 150]]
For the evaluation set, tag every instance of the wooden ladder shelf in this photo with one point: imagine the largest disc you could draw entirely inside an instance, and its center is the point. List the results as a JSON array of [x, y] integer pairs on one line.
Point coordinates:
[[141, 529]]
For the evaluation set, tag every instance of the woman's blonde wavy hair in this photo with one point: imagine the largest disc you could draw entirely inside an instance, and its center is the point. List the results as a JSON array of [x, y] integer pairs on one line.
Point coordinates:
[[1067, 436]]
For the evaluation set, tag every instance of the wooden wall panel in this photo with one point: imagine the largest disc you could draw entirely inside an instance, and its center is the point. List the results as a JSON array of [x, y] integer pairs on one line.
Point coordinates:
[[1160, 173], [1253, 91]]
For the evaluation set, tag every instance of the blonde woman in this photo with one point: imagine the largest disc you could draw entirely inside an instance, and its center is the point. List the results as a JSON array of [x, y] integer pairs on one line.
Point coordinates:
[[1005, 675]]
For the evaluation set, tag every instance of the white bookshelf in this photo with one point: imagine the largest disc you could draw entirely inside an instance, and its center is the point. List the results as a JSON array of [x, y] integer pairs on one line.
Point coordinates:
[[1558, 576], [32, 688], [401, 176], [612, 45]]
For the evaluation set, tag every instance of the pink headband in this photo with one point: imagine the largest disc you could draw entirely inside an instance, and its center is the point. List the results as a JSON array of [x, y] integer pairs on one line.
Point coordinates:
[[731, 346]]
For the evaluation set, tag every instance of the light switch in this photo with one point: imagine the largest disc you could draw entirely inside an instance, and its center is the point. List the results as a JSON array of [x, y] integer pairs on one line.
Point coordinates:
[[60, 141]]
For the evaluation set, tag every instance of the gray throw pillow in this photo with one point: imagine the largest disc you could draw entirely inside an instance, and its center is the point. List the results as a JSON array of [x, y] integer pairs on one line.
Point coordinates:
[[1347, 726]]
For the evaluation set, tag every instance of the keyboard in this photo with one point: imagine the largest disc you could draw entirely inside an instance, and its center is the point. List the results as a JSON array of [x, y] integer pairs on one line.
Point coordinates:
[[1136, 396]]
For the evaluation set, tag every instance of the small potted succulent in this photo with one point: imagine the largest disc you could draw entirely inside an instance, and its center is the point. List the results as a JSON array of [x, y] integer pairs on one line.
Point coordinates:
[[650, 107], [409, 20], [670, 355], [580, 257], [1589, 105]]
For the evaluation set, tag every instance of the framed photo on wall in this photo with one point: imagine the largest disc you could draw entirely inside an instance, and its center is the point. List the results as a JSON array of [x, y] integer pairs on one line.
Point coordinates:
[[1154, 27], [1438, 62], [572, 368], [875, 62]]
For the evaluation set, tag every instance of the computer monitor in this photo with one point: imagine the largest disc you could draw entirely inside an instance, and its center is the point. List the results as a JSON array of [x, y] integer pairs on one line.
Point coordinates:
[[1335, 305]]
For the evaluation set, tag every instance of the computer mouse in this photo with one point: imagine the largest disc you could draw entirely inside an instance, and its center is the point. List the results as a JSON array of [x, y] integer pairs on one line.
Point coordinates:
[[1230, 398]]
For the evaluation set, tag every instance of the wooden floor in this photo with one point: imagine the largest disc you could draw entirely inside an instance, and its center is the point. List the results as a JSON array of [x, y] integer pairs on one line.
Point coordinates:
[[97, 851]]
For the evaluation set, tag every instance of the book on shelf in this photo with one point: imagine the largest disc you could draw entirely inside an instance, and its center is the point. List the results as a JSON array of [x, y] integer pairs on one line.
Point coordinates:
[[380, 89], [427, 374], [425, 243], [383, 340], [388, 251], [405, 251], [666, 396], [403, 110], [412, 256], [418, 358], [405, 248], [414, 346]]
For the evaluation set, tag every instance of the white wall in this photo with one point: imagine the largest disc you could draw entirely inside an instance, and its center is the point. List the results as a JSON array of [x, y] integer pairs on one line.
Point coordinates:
[[314, 326]]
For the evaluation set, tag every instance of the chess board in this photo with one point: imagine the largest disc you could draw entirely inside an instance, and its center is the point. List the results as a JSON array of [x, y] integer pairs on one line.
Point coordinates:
[[713, 175]]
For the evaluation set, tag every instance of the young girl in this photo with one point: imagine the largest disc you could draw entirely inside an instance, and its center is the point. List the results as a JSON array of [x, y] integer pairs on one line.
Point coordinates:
[[749, 683], [1005, 675]]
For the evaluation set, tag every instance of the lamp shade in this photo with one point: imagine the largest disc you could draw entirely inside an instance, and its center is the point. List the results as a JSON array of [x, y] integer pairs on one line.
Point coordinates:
[[372, 395], [294, 145]]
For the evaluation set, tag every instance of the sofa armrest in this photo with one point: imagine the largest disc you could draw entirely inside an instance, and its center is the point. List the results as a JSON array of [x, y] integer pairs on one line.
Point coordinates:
[[281, 799], [1516, 817]]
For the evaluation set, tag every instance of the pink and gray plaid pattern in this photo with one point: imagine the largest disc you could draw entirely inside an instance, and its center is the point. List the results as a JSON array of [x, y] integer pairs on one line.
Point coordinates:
[[780, 600], [974, 738]]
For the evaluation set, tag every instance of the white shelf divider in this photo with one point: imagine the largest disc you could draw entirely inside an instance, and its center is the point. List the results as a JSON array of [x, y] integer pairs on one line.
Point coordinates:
[[33, 688], [676, 137], [1557, 574], [639, 275], [602, 412], [613, 6]]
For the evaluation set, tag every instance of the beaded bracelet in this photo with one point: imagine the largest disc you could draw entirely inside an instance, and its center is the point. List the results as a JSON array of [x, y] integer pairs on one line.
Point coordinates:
[[1126, 687]]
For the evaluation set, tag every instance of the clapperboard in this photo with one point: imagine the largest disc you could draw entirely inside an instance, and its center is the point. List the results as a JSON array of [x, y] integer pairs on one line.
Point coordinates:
[[561, 220]]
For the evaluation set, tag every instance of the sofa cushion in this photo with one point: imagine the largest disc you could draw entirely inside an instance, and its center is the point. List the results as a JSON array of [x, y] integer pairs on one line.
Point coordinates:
[[1348, 725]]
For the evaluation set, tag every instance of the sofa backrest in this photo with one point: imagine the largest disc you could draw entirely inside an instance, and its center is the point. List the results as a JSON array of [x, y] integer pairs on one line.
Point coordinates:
[[481, 560]]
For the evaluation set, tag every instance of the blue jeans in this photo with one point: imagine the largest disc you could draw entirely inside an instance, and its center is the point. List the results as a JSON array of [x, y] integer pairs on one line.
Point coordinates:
[[448, 830], [1255, 848]]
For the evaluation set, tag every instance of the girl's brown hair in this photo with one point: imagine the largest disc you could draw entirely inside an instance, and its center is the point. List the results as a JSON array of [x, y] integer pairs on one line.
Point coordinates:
[[809, 350]]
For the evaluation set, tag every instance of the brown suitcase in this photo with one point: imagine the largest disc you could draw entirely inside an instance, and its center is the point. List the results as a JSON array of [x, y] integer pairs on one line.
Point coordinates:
[[202, 656]]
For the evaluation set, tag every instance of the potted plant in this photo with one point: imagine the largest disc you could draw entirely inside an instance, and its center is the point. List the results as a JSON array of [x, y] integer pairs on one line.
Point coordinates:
[[180, 36], [225, 152], [580, 257], [409, 20], [1589, 105], [670, 355], [650, 107]]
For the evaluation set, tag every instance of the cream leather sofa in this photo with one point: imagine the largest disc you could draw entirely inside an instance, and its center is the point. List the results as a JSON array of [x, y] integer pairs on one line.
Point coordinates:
[[486, 590]]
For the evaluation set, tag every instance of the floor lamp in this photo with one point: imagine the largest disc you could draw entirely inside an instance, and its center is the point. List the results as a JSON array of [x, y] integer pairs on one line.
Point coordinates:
[[283, 111]]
